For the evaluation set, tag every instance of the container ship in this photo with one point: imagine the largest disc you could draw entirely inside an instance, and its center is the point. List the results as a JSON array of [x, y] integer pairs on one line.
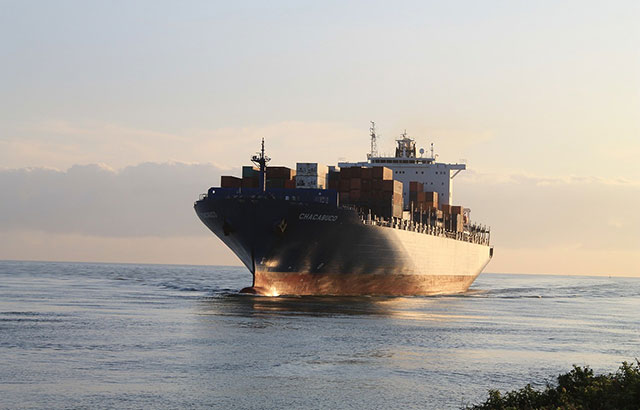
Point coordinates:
[[384, 226]]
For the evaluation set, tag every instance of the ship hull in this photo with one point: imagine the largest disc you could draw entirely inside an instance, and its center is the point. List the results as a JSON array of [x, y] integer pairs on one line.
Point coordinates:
[[300, 248]]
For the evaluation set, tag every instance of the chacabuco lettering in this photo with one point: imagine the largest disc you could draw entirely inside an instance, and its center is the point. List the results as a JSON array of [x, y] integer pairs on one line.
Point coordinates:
[[318, 217]]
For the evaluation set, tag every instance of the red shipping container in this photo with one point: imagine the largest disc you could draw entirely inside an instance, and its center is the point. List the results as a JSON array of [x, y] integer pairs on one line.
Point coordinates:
[[280, 173], [230, 182], [345, 185], [415, 186], [366, 173], [356, 183]]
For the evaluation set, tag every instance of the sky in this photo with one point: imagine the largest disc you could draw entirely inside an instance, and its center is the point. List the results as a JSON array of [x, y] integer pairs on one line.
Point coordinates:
[[114, 116]]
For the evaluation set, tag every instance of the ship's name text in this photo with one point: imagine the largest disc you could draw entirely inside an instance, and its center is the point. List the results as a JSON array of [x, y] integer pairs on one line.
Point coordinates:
[[318, 217]]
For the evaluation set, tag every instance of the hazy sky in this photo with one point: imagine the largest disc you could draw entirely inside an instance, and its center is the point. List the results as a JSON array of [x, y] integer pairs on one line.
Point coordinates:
[[115, 115]]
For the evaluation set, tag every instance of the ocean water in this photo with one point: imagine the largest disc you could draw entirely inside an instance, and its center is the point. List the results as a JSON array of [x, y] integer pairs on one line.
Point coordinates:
[[78, 335]]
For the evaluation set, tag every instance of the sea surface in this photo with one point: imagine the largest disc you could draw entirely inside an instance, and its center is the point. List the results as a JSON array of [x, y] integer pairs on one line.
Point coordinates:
[[80, 335]]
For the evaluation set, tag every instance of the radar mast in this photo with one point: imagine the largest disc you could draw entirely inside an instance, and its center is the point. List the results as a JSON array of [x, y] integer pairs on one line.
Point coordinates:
[[374, 142], [260, 159]]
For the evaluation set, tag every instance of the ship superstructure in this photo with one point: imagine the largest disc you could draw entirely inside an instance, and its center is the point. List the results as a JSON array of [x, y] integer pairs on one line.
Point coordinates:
[[407, 167], [374, 227]]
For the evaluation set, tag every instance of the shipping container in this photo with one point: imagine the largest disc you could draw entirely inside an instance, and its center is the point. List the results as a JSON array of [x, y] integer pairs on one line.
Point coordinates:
[[276, 182], [382, 173], [310, 181], [250, 182], [230, 182], [366, 173], [311, 168], [457, 210], [344, 185], [432, 197], [355, 172], [280, 172], [415, 186], [250, 172]]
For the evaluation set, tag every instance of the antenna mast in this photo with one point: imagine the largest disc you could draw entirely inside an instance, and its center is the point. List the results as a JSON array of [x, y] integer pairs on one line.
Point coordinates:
[[374, 145], [261, 160]]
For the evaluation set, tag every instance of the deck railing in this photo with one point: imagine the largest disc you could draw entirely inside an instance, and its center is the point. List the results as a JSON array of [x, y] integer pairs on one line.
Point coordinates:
[[472, 233]]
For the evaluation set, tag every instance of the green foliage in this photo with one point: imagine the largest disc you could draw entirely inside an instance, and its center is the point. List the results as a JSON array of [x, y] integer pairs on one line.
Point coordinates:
[[577, 390]]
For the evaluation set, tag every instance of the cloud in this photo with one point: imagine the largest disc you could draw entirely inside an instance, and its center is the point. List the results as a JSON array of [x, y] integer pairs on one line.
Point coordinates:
[[144, 200], [527, 211]]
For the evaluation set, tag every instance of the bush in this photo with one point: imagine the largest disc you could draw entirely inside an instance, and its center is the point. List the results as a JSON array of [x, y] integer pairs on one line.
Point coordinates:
[[579, 389]]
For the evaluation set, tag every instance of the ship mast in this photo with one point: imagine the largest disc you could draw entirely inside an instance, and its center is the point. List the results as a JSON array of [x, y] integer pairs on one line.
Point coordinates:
[[261, 160], [374, 137]]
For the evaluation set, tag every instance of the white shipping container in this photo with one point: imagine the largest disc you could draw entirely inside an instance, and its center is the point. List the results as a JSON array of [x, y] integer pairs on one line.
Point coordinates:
[[310, 181], [311, 168]]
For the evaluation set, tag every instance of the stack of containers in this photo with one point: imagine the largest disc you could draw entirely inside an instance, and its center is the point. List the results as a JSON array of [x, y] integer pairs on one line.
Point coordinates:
[[457, 218], [425, 202], [280, 177], [453, 216], [311, 175], [250, 177], [333, 178], [372, 188], [277, 177]]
